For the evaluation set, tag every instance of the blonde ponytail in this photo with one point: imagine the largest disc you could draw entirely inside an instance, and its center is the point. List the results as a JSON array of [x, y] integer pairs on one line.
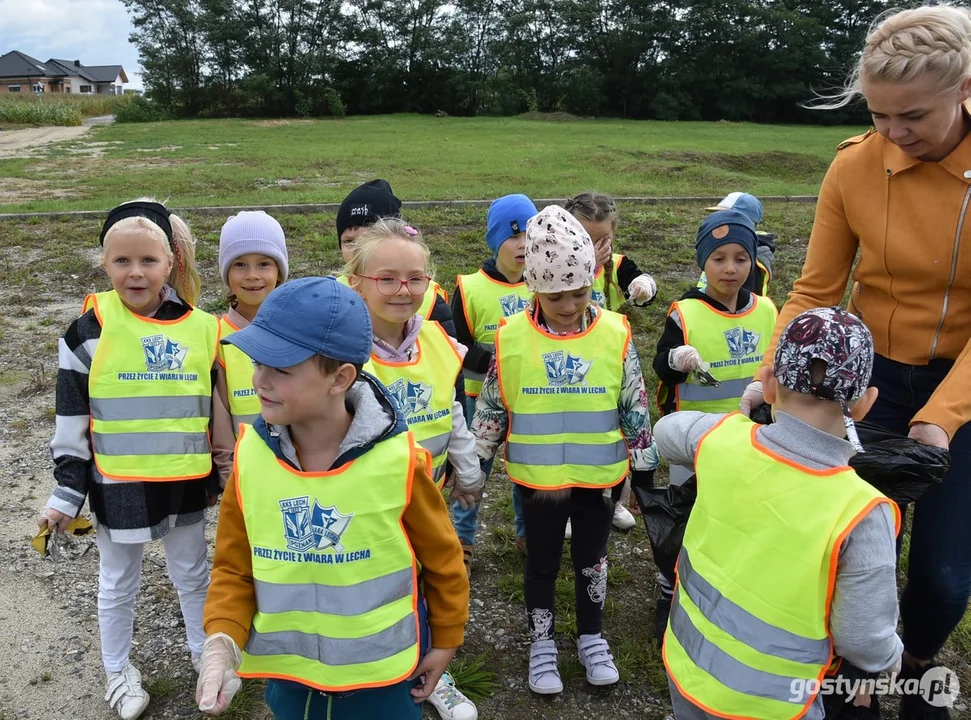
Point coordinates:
[[932, 42], [185, 275]]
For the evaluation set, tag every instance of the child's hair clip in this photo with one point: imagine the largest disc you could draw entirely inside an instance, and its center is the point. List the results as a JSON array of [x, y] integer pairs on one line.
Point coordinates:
[[410, 230]]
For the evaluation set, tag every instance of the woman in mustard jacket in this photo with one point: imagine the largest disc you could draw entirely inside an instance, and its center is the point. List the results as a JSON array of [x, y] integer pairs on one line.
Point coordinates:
[[899, 197]]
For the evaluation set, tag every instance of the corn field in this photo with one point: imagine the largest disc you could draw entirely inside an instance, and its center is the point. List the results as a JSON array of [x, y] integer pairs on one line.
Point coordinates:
[[59, 109]]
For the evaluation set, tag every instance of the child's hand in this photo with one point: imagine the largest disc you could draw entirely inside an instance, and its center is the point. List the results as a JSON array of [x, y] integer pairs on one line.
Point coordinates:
[[684, 359], [642, 289], [53, 519], [751, 398], [928, 434], [217, 674], [431, 667], [603, 247]]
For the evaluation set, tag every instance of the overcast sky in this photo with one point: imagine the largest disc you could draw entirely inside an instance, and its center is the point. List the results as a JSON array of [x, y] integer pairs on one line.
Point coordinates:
[[92, 31]]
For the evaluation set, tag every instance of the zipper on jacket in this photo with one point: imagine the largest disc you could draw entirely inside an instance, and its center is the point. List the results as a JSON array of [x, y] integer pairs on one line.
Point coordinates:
[[954, 268]]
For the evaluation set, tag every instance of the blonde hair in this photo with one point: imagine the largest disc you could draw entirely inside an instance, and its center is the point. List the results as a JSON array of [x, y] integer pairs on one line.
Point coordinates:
[[597, 207], [381, 231], [184, 277], [930, 41]]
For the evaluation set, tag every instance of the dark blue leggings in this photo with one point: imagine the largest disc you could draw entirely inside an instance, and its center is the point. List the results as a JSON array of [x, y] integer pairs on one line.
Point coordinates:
[[939, 568]]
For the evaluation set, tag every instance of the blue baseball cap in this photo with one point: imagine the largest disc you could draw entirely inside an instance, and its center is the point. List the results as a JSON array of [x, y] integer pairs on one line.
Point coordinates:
[[748, 205], [307, 317], [508, 216], [722, 228]]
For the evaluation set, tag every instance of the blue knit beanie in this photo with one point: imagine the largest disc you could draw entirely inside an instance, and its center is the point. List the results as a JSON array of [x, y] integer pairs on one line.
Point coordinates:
[[508, 216]]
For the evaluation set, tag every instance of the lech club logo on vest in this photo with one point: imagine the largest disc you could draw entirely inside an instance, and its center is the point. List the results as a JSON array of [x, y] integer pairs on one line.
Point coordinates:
[[313, 534], [597, 297], [162, 354], [565, 368], [414, 399], [512, 304], [164, 360], [566, 374], [743, 346]]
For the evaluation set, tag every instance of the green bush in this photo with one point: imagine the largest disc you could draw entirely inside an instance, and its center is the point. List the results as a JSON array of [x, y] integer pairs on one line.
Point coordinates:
[[140, 109], [334, 103]]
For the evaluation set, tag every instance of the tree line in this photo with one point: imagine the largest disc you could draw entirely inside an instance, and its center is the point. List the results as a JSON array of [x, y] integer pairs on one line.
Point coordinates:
[[753, 60]]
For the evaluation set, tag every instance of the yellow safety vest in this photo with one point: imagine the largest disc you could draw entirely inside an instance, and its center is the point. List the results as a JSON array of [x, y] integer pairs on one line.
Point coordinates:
[[244, 403], [423, 390], [150, 393], [335, 577], [561, 394], [597, 295], [485, 302], [749, 622], [732, 345], [428, 302]]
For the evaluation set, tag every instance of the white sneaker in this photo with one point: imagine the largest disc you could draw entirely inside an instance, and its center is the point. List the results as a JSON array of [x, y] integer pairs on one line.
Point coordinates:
[[623, 520], [544, 673], [596, 658], [450, 702], [125, 694], [569, 529]]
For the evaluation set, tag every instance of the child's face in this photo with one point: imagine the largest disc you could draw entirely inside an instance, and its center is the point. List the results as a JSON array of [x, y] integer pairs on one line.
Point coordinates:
[[347, 240], [563, 310], [392, 262], [293, 395], [512, 253], [251, 277], [138, 266], [727, 269]]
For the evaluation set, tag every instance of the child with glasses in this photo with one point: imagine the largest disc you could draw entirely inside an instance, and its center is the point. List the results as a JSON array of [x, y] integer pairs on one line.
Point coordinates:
[[421, 366]]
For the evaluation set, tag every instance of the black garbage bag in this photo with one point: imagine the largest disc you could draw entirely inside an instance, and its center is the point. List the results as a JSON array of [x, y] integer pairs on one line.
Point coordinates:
[[665, 512], [899, 467]]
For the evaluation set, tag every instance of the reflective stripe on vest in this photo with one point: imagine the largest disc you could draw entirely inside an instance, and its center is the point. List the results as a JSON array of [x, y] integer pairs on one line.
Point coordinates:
[[485, 302], [561, 393], [732, 345], [150, 391], [423, 390], [748, 626], [599, 294], [428, 300], [335, 577], [244, 403]]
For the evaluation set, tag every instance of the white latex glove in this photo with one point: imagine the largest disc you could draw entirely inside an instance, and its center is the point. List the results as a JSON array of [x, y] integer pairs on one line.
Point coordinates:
[[467, 493], [751, 398], [642, 289], [684, 359], [53, 519], [217, 674]]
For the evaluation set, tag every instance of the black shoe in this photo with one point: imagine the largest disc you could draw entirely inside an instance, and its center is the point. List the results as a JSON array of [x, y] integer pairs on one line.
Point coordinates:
[[663, 609], [915, 707]]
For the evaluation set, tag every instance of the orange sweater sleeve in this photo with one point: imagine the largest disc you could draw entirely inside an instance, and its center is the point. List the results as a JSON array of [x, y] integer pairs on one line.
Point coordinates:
[[829, 259], [231, 601], [445, 582], [948, 406], [223, 433]]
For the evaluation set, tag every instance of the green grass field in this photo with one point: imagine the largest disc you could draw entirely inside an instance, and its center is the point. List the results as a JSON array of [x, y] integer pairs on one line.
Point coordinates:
[[247, 162]]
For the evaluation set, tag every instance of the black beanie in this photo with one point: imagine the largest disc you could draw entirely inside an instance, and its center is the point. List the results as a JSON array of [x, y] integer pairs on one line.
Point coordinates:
[[365, 204]]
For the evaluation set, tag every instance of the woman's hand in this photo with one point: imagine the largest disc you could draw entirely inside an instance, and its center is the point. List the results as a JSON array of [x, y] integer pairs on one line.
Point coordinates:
[[928, 434], [431, 667]]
